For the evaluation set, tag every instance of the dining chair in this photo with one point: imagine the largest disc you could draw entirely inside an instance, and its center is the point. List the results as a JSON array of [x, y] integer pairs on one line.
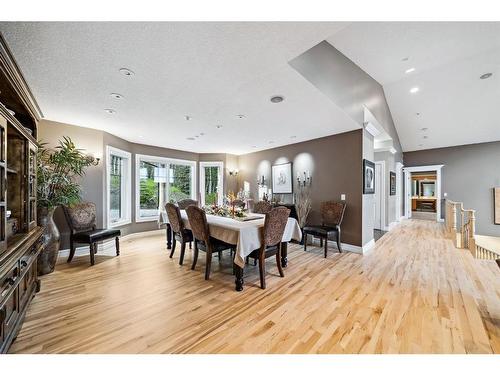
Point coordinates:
[[81, 219], [332, 214], [184, 203], [202, 240], [180, 233], [262, 207], [274, 227]]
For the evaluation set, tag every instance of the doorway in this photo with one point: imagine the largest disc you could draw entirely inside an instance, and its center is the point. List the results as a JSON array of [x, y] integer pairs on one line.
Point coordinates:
[[379, 196], [423, 192]]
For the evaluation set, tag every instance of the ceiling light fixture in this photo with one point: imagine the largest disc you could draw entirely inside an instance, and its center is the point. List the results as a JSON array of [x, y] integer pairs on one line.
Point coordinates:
[[486, 75], [126, 72], [116, 95], [407, 71], [293, 136], [414, 90], [405, 59], [270, 142], [190, 139], [187, 117], [418, 113], [425, 137], [424, 129], [277, 99], [240, 116], [420, 145], [219, 126], [110, 111], [202, 134]]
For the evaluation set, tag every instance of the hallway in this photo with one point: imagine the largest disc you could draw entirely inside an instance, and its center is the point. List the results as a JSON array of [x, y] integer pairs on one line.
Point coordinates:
[[413, 293]]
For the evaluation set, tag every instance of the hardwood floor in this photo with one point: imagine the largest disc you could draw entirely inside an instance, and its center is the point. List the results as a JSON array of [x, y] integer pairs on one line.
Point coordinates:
[[414, 293]]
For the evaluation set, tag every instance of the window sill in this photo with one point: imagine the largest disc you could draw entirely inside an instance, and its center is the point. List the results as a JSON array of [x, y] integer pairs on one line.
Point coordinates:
[[120, 223], [146, 219]]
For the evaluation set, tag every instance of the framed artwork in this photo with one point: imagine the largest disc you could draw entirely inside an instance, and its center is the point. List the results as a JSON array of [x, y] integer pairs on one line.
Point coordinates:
[[368, 177], [392, 183], [496, 204], [282, 178]]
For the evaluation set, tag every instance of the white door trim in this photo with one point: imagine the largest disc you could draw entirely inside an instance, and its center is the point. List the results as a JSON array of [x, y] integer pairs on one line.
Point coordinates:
[[399, 190], [382, 194], [425, 168]]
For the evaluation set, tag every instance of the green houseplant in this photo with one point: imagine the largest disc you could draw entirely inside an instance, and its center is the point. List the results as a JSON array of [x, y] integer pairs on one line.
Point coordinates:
[[58, 173]]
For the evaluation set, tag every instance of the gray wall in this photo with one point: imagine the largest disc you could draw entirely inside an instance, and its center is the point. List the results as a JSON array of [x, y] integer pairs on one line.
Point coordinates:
[[335, 166], [469, 174], [94, 184], [352, 89]]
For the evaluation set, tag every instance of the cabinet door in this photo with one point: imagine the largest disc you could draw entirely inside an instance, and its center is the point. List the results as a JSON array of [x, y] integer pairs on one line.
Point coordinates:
[[9, 297], [3, 184], [31, 175]]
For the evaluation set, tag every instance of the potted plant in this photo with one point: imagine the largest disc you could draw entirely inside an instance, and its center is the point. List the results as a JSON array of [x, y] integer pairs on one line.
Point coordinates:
[[58, 174]]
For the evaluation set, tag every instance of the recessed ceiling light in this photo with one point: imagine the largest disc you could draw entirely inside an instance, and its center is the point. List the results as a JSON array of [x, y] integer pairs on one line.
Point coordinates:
[[219, 126], [293, 136], [202, 134], [425, 137], [116, 95], [486, 75], [277, 99], [409, 70], [187, 117], [196, 136], [126, 72], [110, 111], [405, 59], [190, 139], [271, 141], [414, 90], [240, 116], [418, 113], [424, 129], [420, 145]]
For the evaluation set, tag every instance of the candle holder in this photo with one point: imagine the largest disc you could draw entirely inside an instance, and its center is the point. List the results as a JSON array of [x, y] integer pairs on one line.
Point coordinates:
[[304, 179]]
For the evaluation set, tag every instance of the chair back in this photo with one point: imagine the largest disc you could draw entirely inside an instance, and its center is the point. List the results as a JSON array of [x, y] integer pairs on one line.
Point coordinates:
[[198, 222], [174, 217], [185, 203], [332, 213], [262, 207], [274, 225], [80, 216]]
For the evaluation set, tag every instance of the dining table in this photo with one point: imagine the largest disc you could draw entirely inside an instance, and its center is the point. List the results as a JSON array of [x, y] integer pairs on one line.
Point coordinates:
[[245, 233]]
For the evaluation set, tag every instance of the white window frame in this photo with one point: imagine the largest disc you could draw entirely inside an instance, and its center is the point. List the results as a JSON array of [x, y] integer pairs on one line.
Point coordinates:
[[126, 195], [220, 193], [167, 162]]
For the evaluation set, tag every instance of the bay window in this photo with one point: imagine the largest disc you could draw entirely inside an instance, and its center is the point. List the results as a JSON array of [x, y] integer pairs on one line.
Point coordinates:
[[161, 180]]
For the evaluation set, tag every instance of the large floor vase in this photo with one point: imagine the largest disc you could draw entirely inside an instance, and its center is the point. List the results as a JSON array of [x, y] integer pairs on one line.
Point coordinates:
[[50, 239]]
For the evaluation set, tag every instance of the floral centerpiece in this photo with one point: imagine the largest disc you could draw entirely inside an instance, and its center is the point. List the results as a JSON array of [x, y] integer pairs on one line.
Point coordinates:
[[225, 211]]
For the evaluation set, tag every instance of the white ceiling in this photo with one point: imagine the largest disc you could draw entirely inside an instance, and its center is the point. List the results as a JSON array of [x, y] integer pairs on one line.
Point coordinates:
[[209, 71], [454, 104], [215, 71]]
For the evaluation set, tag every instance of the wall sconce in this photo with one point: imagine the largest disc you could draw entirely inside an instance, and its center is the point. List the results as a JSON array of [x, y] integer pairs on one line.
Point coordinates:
[[233, 172], [261, 181], [304, 179]]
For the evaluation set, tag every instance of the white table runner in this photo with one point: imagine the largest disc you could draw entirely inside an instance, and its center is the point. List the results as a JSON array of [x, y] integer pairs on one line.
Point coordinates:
[[246, 235]]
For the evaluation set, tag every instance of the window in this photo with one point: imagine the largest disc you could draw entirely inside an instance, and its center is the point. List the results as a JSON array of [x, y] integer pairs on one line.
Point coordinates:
[[159, 181], [118, 186], [211, 183]]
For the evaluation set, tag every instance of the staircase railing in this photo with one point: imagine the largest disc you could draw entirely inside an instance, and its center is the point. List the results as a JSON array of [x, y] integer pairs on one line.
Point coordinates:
[[461, 228], [460, 224]]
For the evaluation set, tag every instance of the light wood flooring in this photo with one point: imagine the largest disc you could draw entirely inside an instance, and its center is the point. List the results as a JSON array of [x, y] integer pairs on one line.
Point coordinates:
[[414, 293]]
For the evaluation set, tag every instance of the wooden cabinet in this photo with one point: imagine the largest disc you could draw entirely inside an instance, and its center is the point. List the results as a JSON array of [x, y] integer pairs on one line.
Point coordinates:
[[20, 242]]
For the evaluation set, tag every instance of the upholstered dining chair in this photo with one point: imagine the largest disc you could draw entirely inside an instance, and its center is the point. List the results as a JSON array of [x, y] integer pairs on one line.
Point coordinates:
[[332, 214], [262, 207], [184, 203], [179, 231], [272, 234], [81, 219], [202, 240]]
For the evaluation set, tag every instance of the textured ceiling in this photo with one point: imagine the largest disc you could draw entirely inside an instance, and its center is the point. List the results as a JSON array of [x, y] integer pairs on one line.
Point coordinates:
[[211, 72]]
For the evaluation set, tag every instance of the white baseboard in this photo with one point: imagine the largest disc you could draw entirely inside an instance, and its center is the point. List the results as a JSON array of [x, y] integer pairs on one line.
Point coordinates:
[[391, 226], [109, 245]]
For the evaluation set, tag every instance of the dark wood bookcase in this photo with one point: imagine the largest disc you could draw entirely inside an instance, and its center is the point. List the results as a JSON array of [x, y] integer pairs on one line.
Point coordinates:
[[20, 237]]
